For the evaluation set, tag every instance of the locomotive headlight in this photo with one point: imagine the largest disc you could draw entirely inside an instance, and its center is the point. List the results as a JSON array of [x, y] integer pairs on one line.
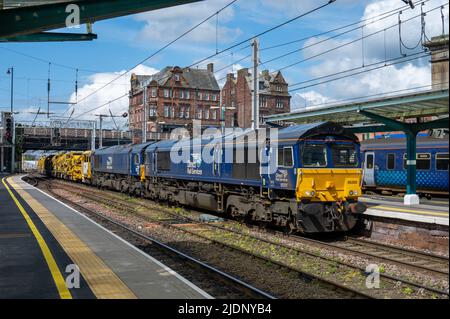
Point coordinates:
[[353, 193], [350, 193], [310, 193]]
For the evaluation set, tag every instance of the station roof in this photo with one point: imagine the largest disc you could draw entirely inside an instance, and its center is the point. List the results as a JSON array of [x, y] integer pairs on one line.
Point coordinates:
[[413, 105], [26, 20]]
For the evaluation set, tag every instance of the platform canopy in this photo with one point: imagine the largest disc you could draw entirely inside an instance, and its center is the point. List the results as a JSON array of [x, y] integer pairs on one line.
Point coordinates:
[[385, 114], [398, 107], [28, 20]]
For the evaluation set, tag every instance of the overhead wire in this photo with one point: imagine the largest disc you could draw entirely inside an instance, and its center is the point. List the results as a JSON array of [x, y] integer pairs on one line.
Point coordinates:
[[226, 49]]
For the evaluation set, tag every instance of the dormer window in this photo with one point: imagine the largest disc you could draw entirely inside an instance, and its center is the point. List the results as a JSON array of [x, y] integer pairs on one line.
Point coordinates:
[[177, 78]]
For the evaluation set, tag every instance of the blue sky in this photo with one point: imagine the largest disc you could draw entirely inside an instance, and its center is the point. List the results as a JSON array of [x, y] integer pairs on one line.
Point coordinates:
[[123, 42]]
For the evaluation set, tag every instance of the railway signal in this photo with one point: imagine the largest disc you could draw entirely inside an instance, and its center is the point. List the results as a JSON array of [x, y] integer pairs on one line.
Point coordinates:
[[8, 124]]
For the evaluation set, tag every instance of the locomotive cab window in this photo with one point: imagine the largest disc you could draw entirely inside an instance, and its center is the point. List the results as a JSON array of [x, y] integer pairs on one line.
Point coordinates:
[[314, 155], [344, 156], [390, 161], [442, 161], [285, 157], [136, 159]]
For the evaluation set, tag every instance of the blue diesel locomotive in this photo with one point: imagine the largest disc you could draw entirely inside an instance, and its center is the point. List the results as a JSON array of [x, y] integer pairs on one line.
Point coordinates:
[[385, 165], [309, 180]]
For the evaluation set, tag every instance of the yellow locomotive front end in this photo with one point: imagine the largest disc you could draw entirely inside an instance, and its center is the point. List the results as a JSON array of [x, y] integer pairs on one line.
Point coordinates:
[[329, 183], [325, 185]]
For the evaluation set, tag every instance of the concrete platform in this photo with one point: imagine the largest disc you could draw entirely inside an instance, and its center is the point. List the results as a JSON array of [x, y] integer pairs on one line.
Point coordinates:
[[42, 239], [428, 211]]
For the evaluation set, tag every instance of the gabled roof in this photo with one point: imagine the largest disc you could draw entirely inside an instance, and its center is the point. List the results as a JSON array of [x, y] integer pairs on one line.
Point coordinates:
[[265, 79], [195, 78]]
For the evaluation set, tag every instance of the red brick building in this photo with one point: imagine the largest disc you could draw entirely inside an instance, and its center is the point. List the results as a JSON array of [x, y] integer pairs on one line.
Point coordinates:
[[175, 97], [237, 93]]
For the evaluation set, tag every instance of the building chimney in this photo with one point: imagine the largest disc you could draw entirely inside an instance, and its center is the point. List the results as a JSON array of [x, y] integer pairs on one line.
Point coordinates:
[[243, 72], [210, 67], [230, 76]]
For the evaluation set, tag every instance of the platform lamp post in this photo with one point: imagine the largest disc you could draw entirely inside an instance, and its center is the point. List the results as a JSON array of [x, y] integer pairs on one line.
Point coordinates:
[[13, 148]]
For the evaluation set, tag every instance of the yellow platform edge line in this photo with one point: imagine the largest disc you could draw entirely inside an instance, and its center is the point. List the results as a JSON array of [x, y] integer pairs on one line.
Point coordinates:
[[103, 282], [411, 211], [58, 278]]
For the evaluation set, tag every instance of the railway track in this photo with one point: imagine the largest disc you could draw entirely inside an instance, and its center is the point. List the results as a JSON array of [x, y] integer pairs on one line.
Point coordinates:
[[183, 222], [230, 286]]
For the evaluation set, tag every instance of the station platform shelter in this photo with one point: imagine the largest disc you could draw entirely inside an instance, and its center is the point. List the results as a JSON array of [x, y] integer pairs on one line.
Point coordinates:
[[409, 113]]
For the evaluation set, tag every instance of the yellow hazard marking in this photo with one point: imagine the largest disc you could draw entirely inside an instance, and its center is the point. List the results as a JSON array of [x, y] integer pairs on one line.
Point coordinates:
[[104, 283], [58, 278], [407, 210]]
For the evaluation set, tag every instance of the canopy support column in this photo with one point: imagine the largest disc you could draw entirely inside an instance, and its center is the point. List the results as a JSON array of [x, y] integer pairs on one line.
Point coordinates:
[[410, 130], [411, 197]]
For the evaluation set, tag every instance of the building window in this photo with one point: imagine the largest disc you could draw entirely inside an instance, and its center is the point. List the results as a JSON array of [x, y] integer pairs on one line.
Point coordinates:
[[154, 92], [442, 161], [167, 93], [233, 91], [166, 111], [279, 88], [233, 104], [280, 104], [263, 102], [214, 116], [207, 96], [199, 95], [172, 112], [214, 97], [177, 77], [187, 111], [152, 111], [390, 161], [187, 95], [199, 113], [206, 114], [181, 115]]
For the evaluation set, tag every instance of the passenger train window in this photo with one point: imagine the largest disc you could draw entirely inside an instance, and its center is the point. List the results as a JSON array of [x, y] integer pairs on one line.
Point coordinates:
[[442, 161], [369, 162], [344, 156], [314, 155], [423, 161], [390, 161], [285, 157]]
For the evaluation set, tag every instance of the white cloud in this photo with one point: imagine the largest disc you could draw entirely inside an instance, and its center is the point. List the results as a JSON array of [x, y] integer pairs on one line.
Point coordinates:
[[392, 78], [104, 95], [165, 25], [307, 99]]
